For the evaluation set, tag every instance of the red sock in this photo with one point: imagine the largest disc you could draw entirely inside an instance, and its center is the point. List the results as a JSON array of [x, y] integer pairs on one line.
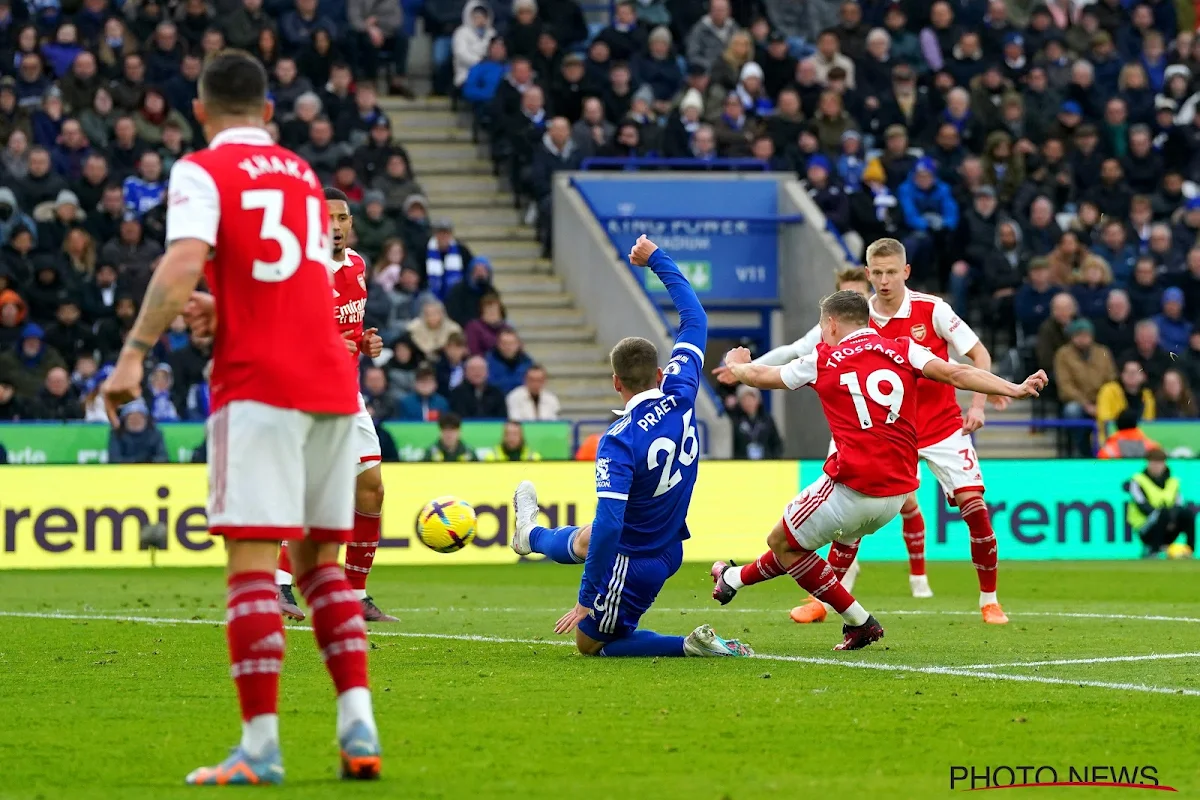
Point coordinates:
[[764, 568], [338, 625], [816, 577], [360, 553], [914, 539], [255, 633], [983, 542], [285, 563], [841, 556]]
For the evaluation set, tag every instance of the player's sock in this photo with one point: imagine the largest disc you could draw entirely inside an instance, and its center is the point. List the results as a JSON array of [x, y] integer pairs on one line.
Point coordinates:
[[983, 545], [360, 553], [341, 633], [763, 568], [556, 544], [816, 577], [841, 558], [254, 631], [283, 570], [913, 524], [644, 643]]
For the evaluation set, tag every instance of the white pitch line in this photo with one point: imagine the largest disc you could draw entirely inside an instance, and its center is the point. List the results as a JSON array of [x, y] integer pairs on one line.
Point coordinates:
[[1069, 661], [833, 662]]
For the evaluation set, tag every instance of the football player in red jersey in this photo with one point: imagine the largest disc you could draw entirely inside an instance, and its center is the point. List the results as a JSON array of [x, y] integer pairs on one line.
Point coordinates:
[[867, 385], [349, 304], [251, 217]]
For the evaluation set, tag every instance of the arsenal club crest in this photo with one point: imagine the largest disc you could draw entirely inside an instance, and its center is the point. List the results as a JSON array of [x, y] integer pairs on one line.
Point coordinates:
[[362, 282], [918, 331]]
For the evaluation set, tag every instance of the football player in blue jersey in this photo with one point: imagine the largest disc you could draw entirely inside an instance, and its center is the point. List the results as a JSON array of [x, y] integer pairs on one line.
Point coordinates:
[[645, 472]]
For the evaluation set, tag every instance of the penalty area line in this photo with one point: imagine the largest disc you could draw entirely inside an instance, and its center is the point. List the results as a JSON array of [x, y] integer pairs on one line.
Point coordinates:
[[960, 672], [1069, 661]]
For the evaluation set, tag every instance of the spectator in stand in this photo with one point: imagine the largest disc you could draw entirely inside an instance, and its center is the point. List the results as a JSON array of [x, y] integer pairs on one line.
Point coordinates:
[[1128, 391], [1114, 329], [1081, 367], [394, 297], [930, 214], [11, 216], [398, 186], [1052, 336], [424, 404], [379, 38], [1173, 328], [46, 292], [755, 436], [483, 331], [136, 440], [445, 259], [1168, 258], [1001, 277], [512, 445], [12, 318], [376, 394], [56, 400], [1147, 351], [147, 189], [1146, 290], [556, 152], [111, 331], [12, 408], [828, 197], [462, 301], [1128, 441], [18, 256], [1092, 285], [450, 367], [28, 365], [532, 400], [1175, 399], [1116, 251], [100, 294], [471, 40], [242, 27], [69, 334], [65, 217], [475, 397], [373, 229], [707, 39], [199, 397], [321, 151], [154, 115], [161, 394], [508, 362], [40, 184], [483, 79], [449, 445], [430, 331]]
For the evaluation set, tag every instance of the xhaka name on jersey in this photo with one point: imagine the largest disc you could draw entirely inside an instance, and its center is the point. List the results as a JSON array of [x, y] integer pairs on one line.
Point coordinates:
[[842, 353], [657, 411], [257, 166]]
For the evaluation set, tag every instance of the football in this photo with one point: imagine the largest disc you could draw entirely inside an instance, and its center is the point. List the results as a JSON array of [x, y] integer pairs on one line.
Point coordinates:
[[1179, 550], [446, 524]]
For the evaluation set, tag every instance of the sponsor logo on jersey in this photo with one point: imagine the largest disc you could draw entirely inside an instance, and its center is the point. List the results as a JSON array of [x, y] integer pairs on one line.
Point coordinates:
[[352, 312], [362, 282], [602, 479], [918, 332]]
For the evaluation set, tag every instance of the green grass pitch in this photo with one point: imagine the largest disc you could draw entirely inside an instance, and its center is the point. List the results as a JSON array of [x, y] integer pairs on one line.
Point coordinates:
[[476, 697]]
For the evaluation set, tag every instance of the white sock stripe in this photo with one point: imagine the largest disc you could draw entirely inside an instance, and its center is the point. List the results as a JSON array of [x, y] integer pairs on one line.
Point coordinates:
[[252, 607], [365, 514], [972, 507], [321, 575], [256, 666], [362, 544], [352, 568], [333, 598], [916, 512], [358, 644], [246, 588]]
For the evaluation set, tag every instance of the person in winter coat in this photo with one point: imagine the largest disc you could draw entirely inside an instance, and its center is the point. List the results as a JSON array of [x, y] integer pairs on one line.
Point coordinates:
[[508, 362], [471, 41], [402, 368], [430, 332], [483, 79], [57, 399], [1002, 274], [829, 198], [199, 397], [1092, 285], [930, 213], [424, 404], [26, 366], [462, 301], [136, 441], [162, 404], [379, 37], [476, 397], [755, 436], [874, 210], [1173, 328], [707, 39], [483, 331], [445, 259]]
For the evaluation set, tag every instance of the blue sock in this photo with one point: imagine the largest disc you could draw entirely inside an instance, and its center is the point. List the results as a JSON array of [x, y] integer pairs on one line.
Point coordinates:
[[557, 544], [644, 643]]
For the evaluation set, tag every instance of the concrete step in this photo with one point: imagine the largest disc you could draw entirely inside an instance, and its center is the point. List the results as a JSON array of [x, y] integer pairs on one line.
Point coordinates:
[[592, 371], [570, 353], [431, 169], [446, 199], [593, 390], [515, 264], [552, 336], [505, 248], [398, 104], [526, 319], [538, 301], [511, 283], [483, 215], [421, 118], [588, 409], [473, 232], [440, 185], [421, 153], [409, 136]]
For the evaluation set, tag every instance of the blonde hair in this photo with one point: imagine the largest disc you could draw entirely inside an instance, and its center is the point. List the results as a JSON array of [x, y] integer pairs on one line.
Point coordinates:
[[886, 247]]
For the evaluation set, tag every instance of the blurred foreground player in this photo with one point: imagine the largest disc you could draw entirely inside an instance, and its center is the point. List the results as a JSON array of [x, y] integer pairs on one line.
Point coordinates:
[[349, 305], [867, 385], [251, 216], [646, 467]]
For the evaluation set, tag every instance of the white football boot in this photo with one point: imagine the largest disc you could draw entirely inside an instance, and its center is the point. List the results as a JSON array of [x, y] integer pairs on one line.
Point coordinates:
[[525, 509]]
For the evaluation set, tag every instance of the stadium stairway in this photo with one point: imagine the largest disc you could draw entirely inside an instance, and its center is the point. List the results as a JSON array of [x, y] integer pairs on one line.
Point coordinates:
[[1011, 439], [456, 174]]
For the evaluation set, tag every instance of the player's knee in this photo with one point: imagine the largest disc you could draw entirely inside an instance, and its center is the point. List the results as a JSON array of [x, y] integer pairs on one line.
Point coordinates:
[[777, 540], [910, 504], [251, 556], [369, 491], [586, 645]]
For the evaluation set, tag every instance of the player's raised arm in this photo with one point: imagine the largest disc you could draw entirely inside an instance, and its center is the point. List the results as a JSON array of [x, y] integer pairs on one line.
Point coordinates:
[[964, 376], [764, 376], [693, 321]]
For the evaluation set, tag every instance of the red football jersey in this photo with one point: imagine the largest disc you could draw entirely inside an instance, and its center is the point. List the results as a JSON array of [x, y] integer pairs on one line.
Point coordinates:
[[868, 390], [261, 209], [350, 294], [930, 322]]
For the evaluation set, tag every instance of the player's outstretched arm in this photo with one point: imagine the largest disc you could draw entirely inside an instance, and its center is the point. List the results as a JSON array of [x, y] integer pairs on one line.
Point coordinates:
[[693, 321], [760, 376], [963, 376]]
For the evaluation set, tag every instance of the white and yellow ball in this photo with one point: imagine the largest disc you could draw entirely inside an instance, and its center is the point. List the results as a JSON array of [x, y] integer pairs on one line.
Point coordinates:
[[1178, 550], [446, 524]]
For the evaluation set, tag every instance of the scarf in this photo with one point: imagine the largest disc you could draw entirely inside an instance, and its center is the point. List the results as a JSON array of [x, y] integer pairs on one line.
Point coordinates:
[[388, 277], [760, 105], [443, 269], [200, 400], [884, 201], [162, 409]]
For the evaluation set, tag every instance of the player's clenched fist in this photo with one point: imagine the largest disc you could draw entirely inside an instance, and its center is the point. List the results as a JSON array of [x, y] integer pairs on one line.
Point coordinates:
[[372, 342], [643, 248], [200, 314], [738, 355]]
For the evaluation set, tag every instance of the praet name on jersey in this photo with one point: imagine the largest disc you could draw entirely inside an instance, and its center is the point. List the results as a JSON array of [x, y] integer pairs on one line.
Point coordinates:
[[657, 411], [257, 166]]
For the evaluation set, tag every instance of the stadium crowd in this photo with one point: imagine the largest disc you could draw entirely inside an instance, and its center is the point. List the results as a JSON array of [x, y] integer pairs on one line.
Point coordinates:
[[95, 108], [1040, 160]]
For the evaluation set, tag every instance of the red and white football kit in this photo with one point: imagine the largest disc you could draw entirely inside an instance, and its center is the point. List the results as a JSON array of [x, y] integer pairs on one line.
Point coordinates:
[[930, 322], [349, 306], [281, 443], [868, 389]]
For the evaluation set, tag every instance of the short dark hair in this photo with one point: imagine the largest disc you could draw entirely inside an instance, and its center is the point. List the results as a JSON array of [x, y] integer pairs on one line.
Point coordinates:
[[334, 193], [1128, 419], [847, 306], [635, 362], [449, 421], [234, 83]]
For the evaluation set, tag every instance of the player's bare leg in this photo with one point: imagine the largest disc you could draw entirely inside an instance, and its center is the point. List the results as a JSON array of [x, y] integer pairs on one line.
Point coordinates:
[[984, 555], [283, 579], [360, 554], [254, 631], [913, 524], [341, 634], [564, 545], [842, 560], [812, 573]]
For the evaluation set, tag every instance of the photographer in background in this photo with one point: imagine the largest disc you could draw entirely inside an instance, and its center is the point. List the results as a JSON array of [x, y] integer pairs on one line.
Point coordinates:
[[1156, 511]]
